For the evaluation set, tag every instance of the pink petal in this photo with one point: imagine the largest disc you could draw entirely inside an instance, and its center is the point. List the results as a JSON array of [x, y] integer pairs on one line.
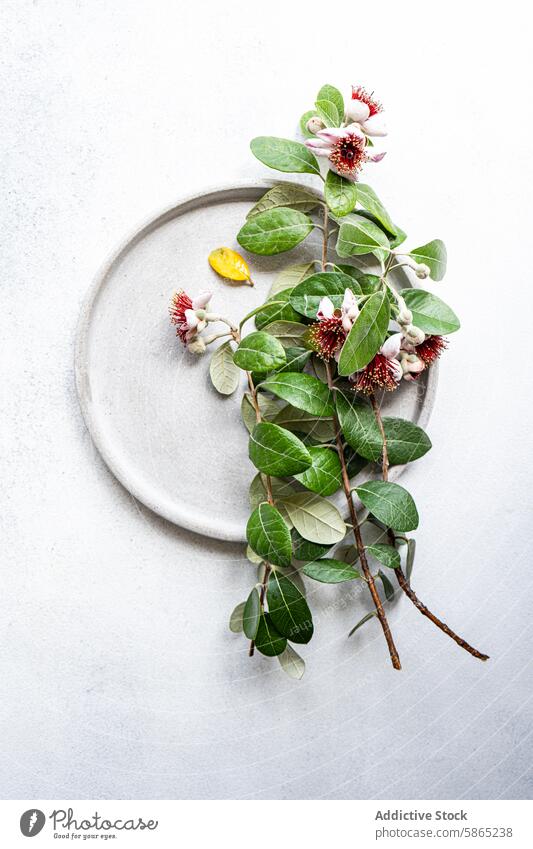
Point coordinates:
[[319, 148], [331, 135], [391, 346], [374, 157], [375, 126], [202, 299]]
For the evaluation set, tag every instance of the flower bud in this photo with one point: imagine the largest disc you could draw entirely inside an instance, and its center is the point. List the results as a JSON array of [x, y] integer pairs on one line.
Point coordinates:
[[422, 271], [413, 334], [315, 124], [196, 345]]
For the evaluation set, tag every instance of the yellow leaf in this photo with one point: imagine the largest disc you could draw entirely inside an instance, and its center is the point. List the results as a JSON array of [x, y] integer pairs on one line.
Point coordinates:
[[229, 264]]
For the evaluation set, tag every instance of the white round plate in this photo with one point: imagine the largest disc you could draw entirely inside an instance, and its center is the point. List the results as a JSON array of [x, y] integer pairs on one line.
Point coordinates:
[[168, 436]]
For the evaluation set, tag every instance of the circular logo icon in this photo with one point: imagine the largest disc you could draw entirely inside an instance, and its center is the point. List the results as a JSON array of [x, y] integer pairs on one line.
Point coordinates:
[[32, 822]]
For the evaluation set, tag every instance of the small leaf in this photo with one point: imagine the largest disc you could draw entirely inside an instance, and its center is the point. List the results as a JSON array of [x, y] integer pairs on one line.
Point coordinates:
[[291, 663], [302, 391], [329, 92], [229, 264], [386, 554], [269, 536], [290, 277], [268, 640], [366, 336], [268, 407], [340, 194], [430, 314], [390, 503], [328, 112], [316, 519], [276, 451], [284, 155], [251, 614], [306, 297], [251, 555], [387, 586], [275, 231], [304, 550], [294, 197], [279, 310], [329, 571], [288, 609], [225, 376], [360, 236], [411, 548], [362, 621], [306, 117], [259, 352], [324, 476], [370, 201], [289, 333], [235, 620], [434, 255]]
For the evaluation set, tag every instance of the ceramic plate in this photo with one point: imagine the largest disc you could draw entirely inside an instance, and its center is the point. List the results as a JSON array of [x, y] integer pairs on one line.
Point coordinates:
[[168, 436]]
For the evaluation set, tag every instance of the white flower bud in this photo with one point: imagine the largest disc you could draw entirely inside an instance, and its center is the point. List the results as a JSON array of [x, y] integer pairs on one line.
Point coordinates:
[[413, 334], [315, 124], [422, 271], [196, 345], [405, 316], [200, 314]]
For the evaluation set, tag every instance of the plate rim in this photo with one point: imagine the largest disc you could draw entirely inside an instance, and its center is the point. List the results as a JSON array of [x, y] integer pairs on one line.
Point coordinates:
[[168, 510]]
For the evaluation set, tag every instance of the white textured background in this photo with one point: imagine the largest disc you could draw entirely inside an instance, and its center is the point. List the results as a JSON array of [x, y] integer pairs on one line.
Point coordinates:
[[119, 677]]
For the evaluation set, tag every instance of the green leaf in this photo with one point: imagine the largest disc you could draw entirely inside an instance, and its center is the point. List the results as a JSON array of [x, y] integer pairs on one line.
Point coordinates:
[[268, 407], [294, 197], [390, 503], [362, 621], [289, 333], [302, 391], [370, 201], [430, 314], [276, 451], [269, 536], [411, 548], [298, 420], [434, 255], [259, 352], [329, 571], [235, 620], [324, 476], [399, 238], [303, 123], [258, 493], [288, 609], [225, 375], [268, 640], [405, 440], [306, 297], [284, 155], [316, 519], [386, 554], [275, 231], [329, 92], [367, 283], [387, 586], [297, 359], [340, 194], [251, 555], [291, 663], [302, 549], [290, 277], [359, 236], [328, 112], [367, 334], [280, 310], [251, 615]]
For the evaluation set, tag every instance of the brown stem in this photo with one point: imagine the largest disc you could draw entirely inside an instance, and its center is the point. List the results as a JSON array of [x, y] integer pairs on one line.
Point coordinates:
[[395, 659], [270, 498], [401, 578]]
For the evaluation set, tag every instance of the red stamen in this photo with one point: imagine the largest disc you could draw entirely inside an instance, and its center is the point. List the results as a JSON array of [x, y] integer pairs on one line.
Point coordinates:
[[327, 336], [360, 93], [348, 155], [431, 348], [180, 302], [380, 373]]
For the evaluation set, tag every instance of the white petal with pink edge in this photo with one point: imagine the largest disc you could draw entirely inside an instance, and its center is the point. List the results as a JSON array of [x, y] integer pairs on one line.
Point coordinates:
[[375, 126]]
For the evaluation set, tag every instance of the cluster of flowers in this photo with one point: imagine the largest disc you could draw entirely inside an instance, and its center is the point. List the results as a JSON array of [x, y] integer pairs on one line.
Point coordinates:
[[347, 148], [404, 354]]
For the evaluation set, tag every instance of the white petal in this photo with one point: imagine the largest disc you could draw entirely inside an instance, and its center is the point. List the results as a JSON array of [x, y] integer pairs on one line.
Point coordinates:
[[391, 346], [356, 110], [374, 157], [325, 308], [319, 148], [398, 371], [191, 318], [348, 300], [347, 323], [354, 130], [331, 135], [202, 299], [375, 125]]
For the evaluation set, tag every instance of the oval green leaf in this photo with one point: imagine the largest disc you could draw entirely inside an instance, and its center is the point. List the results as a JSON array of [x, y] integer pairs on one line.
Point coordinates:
[[290, 277], [289, 333], [328, 112], [276, 451], [288, 609], [225, 375], [367, 334], [315, 518], [279, 310], [302, 549], [329, 92], [330, 571], [251, 615], [260, 352], [360, 236], [302, 391], [295, 197], [340, 194], [390, 503], [291, 663], [370, 201], [306, 297], [275, 231], [284, 155], [430, 314], [386, 554], [324, 476], [434, 255], [236, 618], [268, 640], [269, 536]]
